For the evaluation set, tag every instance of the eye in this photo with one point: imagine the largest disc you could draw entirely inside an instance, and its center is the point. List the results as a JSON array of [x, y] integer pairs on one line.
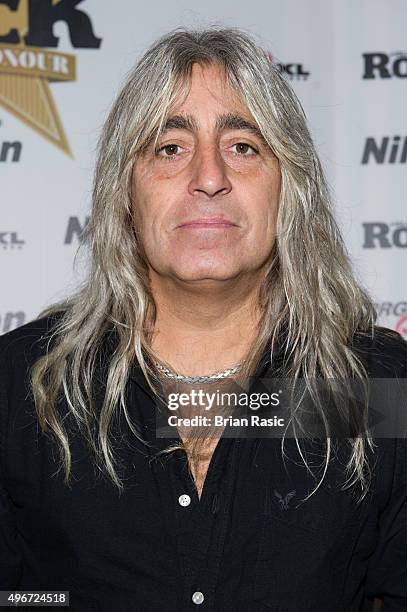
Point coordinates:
[[169, 149], [243, 149]]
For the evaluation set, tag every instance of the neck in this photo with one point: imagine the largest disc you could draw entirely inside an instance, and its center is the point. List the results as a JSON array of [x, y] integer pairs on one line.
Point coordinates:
[[204, 327]]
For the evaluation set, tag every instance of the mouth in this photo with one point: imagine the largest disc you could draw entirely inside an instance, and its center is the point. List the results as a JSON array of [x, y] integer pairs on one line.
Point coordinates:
[[208, 222]]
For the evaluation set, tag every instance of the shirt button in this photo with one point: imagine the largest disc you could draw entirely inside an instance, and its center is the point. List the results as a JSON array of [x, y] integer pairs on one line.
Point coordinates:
[[184, 500], [197, 597]]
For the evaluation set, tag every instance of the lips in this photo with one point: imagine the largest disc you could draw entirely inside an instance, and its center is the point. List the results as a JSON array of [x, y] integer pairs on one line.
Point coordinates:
[[208, 222]]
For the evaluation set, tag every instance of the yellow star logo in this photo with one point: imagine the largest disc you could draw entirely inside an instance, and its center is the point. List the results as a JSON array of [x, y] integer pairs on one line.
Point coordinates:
[[25, 74]]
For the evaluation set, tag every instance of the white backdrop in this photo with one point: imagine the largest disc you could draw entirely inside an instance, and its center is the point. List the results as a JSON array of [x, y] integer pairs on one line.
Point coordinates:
[[346, 60]]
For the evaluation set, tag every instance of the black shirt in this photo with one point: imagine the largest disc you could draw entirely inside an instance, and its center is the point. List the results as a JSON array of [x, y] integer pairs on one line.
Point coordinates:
[[245, 546]]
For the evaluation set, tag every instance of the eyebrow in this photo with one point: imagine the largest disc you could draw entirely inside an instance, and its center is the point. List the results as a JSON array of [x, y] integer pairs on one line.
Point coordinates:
[[229, 121]]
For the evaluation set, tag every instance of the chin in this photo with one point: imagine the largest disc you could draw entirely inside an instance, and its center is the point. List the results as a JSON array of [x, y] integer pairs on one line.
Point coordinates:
[[197, 271]]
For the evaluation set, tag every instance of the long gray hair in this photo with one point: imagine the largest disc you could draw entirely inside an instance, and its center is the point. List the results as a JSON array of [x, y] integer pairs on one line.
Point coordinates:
[[309, 288]]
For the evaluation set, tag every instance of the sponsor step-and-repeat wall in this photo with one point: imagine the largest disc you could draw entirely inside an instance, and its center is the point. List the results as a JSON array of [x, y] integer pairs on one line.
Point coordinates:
[[63, 61]]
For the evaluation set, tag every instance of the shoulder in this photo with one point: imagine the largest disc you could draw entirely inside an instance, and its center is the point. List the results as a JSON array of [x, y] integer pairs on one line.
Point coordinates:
[[383, 352], [28, 342], [19, 350]]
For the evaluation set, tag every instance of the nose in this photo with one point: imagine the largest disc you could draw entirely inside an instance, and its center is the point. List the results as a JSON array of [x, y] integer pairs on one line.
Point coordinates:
[[209, 174]]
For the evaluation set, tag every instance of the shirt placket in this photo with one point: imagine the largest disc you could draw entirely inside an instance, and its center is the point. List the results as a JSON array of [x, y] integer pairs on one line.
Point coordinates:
[[201, 525]]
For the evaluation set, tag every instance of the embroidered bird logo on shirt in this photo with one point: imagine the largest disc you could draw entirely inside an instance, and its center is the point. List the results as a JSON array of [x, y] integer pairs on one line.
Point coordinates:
[[284, 501]]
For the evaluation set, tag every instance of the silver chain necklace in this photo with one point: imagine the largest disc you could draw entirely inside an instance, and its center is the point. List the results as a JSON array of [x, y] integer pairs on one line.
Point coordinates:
[[190, 380]]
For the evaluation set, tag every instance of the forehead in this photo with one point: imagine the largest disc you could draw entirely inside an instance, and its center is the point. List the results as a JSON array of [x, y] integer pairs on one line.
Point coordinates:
[[200, 98], [207, 89]]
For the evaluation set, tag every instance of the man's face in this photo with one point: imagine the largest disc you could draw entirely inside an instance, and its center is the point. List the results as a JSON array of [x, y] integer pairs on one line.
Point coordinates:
[[205, 202]]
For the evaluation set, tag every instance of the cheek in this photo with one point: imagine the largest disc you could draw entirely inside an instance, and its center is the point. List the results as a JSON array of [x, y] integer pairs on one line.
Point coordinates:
[[144, 202], [263, 207], [150, 221]]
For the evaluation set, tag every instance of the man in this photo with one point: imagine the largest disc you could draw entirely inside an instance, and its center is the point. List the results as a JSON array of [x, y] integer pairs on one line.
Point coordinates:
[[215, 256]]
